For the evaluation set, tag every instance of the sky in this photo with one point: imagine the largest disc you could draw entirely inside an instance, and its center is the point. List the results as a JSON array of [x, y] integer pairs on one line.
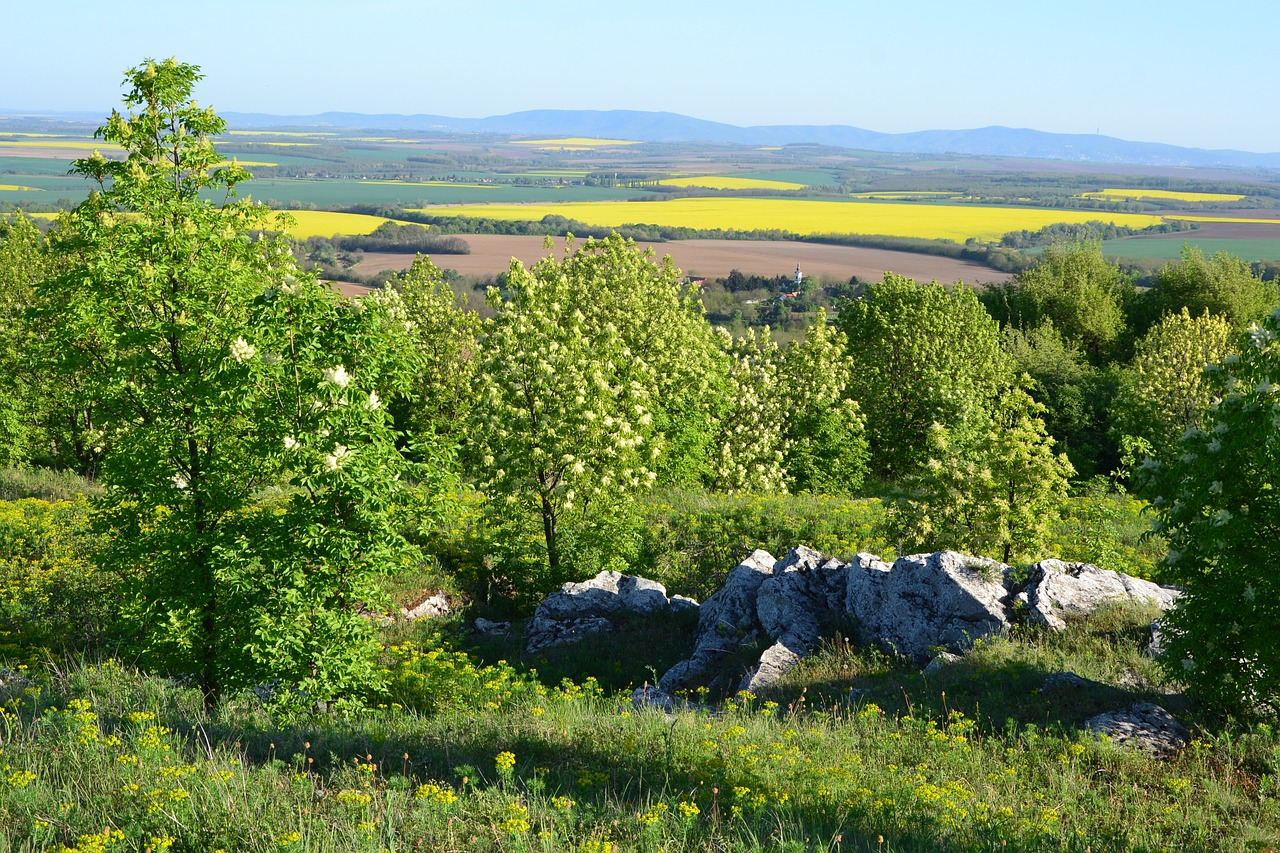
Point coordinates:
[[1185, 73]]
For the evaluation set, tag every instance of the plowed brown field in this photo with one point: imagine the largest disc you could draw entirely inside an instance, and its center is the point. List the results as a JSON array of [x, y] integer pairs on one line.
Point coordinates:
[[492, 254]]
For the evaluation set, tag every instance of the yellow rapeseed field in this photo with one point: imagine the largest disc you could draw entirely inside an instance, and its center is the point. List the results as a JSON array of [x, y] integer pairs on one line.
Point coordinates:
[[1174, 195], [326, 223], [85, 145], [803, 216], [18, 188], [574, 143], [728, 182]]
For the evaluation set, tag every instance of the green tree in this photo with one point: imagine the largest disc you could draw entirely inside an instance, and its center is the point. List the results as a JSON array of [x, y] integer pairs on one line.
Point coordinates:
[[750, 447], [447, 337], [921, 354], [1165, 390], [1073, 285], [217, 369], [1218, 504], [996, 498], [1223, 285], [592, 387], [1076, 395], [823, 432], [23, 400]]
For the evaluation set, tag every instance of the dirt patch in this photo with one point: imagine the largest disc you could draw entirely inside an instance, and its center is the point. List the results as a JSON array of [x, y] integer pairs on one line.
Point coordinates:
[[492, 254]]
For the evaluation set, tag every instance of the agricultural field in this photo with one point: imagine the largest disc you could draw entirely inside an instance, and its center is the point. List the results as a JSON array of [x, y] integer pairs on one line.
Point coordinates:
[[574, 143], [803, 216], [492, 253], [1161, 195], [731, 182]]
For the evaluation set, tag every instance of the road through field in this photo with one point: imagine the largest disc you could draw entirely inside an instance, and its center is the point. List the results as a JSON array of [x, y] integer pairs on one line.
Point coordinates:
[[492, 254]]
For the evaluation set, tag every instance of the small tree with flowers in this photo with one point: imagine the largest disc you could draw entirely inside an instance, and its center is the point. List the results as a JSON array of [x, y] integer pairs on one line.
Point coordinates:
[[220, 373]]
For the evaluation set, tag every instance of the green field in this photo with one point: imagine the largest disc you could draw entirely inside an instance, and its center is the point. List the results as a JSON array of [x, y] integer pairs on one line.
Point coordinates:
[[1167, 248]]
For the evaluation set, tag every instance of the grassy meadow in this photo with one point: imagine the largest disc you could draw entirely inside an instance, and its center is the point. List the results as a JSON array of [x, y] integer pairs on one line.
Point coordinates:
[[469, 745]]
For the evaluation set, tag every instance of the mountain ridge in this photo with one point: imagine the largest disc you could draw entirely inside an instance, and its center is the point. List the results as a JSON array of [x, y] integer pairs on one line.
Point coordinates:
[[652, 126]]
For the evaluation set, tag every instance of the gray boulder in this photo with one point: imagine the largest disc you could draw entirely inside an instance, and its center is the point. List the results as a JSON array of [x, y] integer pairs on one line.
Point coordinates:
[[726, 621], [1142, 726], [1057, 591], [592, 607], [428, 606], [927, 601]]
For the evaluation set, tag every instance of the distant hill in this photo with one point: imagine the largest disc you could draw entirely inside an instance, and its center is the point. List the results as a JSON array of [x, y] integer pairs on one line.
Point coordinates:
[[672, 127]]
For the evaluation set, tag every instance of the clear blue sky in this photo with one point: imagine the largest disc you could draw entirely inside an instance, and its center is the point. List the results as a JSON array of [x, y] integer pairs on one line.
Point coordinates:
[[1186, 73]]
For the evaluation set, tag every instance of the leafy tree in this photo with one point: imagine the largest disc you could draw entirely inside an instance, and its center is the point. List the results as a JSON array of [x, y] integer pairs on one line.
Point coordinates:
[[750, 446], [23, 400], [1218, 504], [998, 497], [217, 369], [1165, 390], [823, 433], [1074, 286], [1076, 395], [1223, 285], [593, 386], [447, 337], [921, 354]]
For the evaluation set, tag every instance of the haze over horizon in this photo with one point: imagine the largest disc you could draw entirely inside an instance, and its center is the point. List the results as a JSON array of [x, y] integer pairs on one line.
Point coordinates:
[[1172, 73]]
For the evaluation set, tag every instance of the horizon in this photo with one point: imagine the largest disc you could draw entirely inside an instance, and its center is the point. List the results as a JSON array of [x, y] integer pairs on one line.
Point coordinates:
[[1175, 77]]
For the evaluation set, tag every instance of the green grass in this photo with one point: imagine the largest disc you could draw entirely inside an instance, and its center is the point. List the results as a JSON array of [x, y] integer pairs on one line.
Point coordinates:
[[1166, 248]]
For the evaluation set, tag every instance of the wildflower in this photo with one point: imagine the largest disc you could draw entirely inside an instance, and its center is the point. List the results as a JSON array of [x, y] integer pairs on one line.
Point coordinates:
[[179, 481], [242, 350], [335, 460], [337, 375], [505, 761], [1215, 446]]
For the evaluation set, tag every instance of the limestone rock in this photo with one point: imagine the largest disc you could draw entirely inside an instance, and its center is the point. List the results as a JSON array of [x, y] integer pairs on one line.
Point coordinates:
[[940, 662], [427, 606], [1057, 590], [927, 601], [649, 696], [726, 620], [494, 629], [592, 607], [1144, 727]]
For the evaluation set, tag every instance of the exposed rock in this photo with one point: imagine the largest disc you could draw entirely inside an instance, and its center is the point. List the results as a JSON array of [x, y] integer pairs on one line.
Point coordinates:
[[1155, 645], [428, 606], [579, 610], [649, 696], [927, 601], [940, 662], [1058, 590], [484, 626], [805, 590], [1065, 681], [13, 684], [726, 620], [1142, 726]]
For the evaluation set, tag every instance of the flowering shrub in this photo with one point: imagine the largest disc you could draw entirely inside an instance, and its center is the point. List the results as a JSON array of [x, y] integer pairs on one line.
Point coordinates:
[[1218, 505]]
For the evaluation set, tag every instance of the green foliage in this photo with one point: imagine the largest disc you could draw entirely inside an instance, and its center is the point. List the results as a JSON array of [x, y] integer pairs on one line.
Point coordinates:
[[1223, 285], [215, 369], [26, 395], [53, 597], [922, 354], [1165, 390], [1076, 288], [446, 336], [1218, 505], [749, 442], [1075, 394], [595, 367], [825, 444], [996, 499]]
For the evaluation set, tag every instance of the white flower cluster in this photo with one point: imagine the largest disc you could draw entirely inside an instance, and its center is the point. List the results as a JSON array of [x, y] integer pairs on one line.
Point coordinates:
[[337, 458], [242, 350], [336, 375]]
